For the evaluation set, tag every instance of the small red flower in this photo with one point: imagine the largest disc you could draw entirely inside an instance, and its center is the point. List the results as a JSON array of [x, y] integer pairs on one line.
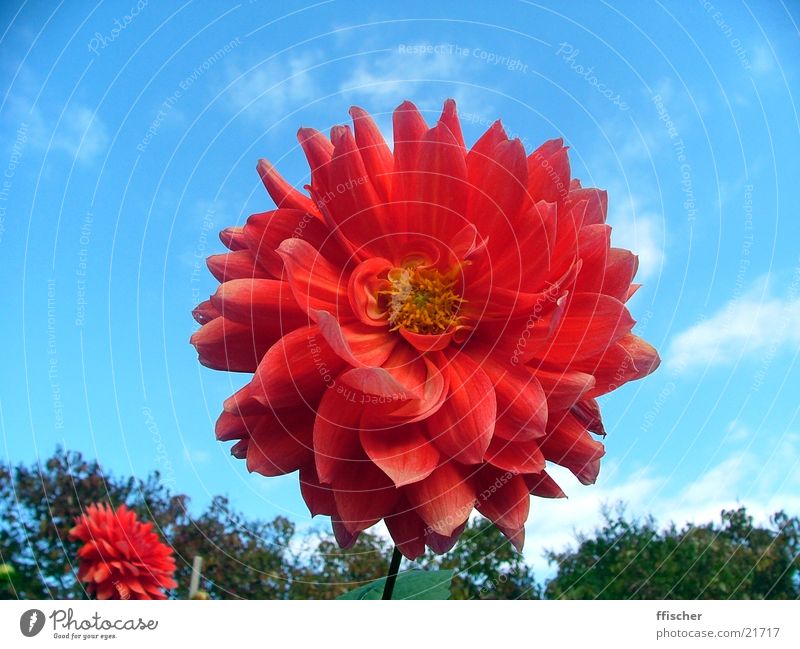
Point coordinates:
[[121, 557], [427, 329]]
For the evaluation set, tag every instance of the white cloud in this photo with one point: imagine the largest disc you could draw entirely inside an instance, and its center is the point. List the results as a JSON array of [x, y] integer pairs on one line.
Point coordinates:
[[78, 132], [394, 75], [752, 324], [81, 134], [273, 88], [639, 230], [763, 61]]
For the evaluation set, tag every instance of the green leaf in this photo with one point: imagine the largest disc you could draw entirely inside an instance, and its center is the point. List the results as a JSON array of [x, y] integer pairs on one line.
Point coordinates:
[[414, 584]]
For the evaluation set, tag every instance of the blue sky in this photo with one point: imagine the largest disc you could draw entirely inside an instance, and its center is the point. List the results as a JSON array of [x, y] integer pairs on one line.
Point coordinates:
[[129, 136]]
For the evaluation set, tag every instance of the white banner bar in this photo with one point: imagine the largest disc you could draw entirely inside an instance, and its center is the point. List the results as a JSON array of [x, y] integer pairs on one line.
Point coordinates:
[[333, 625]]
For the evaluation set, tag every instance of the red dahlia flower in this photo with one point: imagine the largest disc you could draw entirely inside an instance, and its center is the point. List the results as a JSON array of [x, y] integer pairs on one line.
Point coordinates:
[[121, 557], [427, 329]]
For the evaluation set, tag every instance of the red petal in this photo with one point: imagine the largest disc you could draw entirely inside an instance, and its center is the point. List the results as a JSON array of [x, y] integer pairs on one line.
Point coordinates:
[[444, 499], [353, 209], [318, 150], [234, 265], [441, 543], [462, 428], [503, 498], [569, 445], [515, 536], [297, 369], [548, 172], [520, 398], [449, 118], [515, 456], [281, 444], [407, 530], [319, 498], [317, 284], [265, 231], [344, 538], [409, 130], [592, 323], [421, 376], [364, 497], [205, 312], [542, 485], [376, 155], [404, 453], [563, 388], [233, 426], [628, 359], [260, 303], [337, 449], [597, 203], [368, 278], [281, 191], [482, 150], [358, 344], [498, 194], [439, 186], [377, 385], [233, 238], [226, 345]]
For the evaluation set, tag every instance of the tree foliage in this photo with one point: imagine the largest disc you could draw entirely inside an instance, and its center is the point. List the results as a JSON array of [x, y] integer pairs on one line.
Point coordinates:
[[633, 559], [255, 559], [242, 558]]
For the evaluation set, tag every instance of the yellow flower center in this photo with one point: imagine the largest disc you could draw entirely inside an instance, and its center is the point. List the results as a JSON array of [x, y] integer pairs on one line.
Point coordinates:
[[422, 300]]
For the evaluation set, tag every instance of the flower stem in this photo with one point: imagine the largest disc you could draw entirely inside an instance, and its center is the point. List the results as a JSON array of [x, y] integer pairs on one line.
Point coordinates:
[[391, 577]]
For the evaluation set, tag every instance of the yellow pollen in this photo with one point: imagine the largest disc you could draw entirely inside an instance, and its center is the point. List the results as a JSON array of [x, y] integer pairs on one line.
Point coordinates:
[[422, 300]]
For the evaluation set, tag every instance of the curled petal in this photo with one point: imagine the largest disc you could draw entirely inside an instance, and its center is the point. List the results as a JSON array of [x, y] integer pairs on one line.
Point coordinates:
[[463, 427], [235, 265], [444, 499], [297, 369], [407, 530], [570, 445], [404, 454], [502, 497]]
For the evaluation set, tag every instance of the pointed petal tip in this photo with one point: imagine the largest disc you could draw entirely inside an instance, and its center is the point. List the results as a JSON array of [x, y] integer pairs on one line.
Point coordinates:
[[356, 112]]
